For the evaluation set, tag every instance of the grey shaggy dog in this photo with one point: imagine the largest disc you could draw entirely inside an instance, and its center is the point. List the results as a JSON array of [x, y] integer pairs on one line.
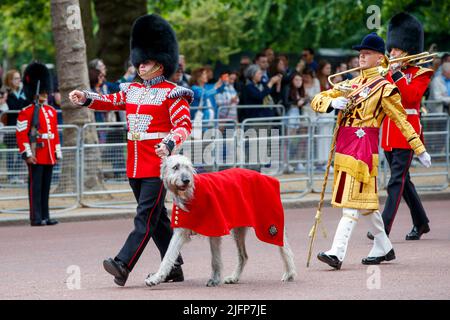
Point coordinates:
[[177, 173]]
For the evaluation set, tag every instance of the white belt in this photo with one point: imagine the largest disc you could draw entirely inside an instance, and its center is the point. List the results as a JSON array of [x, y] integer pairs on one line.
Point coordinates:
[[138, 136], [411, 111], [47, 136]]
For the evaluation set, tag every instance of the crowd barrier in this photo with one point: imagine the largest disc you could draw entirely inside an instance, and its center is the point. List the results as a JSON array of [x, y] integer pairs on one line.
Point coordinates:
[[292, 149]]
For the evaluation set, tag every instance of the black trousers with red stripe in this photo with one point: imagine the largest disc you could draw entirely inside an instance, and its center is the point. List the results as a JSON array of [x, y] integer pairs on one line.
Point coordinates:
[[39, 181], [151, 221], [400, 185]]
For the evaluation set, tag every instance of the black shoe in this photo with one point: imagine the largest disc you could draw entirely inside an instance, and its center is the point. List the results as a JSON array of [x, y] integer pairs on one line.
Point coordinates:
[[332, 261], [417, 232], [175, 275], [118, 269], [51, 222], [377, 260], [38, 223]]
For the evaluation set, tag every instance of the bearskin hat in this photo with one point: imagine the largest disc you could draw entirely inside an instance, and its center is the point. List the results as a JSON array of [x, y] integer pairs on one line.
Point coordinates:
[[35, 72], [152, 38], [405, 32]]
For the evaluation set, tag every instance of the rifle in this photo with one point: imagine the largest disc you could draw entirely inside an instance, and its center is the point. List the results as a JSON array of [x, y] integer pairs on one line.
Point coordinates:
[[35, 120]]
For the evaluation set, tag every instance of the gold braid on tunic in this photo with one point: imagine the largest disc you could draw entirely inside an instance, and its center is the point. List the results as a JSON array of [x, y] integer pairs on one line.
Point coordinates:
[[354, 186]]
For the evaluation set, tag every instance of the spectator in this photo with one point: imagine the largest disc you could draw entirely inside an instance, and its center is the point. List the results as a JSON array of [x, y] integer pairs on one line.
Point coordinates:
[[353, 62], [312, 87], [105, 134], [270, 54], [179, 79], [16, 101], [278, 67], [438, 62], [294, 101], [98, 85], [186, 77], [54, 99], [3, 108], [323, 71], [307, 61], [112, 87], [263, 63], [340, 68], [228, 98], [240, 84], [325, 122], [440, 87], [257, 92], [130, 73], [288, 70], [204, 95], [210, 74]]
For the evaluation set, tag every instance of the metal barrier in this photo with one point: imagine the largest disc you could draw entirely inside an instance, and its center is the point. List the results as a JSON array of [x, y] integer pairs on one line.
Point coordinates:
[[290, 151], [281, 109], [103, 166], [14, 174], [436, 137], [94, 174]]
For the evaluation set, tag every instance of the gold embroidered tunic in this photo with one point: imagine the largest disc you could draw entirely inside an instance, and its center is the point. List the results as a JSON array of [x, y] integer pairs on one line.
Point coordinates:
[[355, 180]]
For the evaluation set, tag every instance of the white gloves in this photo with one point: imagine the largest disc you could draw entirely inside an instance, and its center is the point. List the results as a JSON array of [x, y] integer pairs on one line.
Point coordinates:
[[339, 103], [395, 66], [58, 152], [425, 159]]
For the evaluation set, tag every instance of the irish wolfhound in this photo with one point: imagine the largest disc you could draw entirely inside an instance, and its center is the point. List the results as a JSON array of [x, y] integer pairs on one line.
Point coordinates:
[[181, 181]]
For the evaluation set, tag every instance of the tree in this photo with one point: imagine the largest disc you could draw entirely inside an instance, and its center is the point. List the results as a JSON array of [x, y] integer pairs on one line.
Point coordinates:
[[115, 18], [73, 74], [25, 31], [208, 31]]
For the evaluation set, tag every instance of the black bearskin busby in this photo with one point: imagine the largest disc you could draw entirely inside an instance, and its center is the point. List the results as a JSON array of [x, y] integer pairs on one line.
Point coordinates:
[[405, 32], [152, 38], [34, 72]]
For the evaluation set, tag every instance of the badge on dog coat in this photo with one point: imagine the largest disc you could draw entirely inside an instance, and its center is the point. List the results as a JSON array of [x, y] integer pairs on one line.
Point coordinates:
[[234, 198]]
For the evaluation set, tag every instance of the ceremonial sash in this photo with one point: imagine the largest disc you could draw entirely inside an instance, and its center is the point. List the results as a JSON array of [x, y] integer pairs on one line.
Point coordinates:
[[365, 91]]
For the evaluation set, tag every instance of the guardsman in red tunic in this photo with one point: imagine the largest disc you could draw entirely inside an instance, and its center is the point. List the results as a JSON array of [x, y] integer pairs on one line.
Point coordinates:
[[38, 142], [158, 121], [405, 37]]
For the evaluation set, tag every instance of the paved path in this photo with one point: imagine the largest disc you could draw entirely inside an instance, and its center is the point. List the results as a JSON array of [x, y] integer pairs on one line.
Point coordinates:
[[35, 263]]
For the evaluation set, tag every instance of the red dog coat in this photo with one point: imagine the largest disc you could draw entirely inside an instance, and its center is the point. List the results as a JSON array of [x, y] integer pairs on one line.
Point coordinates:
[[234, 198]]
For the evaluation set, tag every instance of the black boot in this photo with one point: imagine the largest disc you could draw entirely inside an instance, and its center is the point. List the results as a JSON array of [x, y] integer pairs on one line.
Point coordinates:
[[118, 269], [51, 222], [332, 261], [417, 232], [377, 260], [37, 223]]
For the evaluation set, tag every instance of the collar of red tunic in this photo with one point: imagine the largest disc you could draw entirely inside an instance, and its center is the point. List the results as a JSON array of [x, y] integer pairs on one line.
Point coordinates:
[[153, 81]]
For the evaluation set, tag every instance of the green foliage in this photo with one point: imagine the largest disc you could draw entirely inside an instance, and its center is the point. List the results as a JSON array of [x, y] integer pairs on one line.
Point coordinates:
[[212, 30], [25, 28], [208, 31]]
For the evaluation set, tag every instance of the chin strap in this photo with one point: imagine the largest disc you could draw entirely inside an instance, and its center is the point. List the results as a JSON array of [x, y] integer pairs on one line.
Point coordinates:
[[153, 70]]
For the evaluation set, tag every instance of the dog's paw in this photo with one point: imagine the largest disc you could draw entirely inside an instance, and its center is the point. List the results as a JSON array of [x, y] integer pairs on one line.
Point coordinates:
[[152, 281], [231, 280], [213, 283], [288, 276]]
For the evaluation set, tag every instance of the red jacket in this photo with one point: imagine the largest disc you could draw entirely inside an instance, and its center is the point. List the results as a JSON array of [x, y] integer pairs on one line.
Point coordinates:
[[412, 83], [157, 106], [47, 142], [234, 198]]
